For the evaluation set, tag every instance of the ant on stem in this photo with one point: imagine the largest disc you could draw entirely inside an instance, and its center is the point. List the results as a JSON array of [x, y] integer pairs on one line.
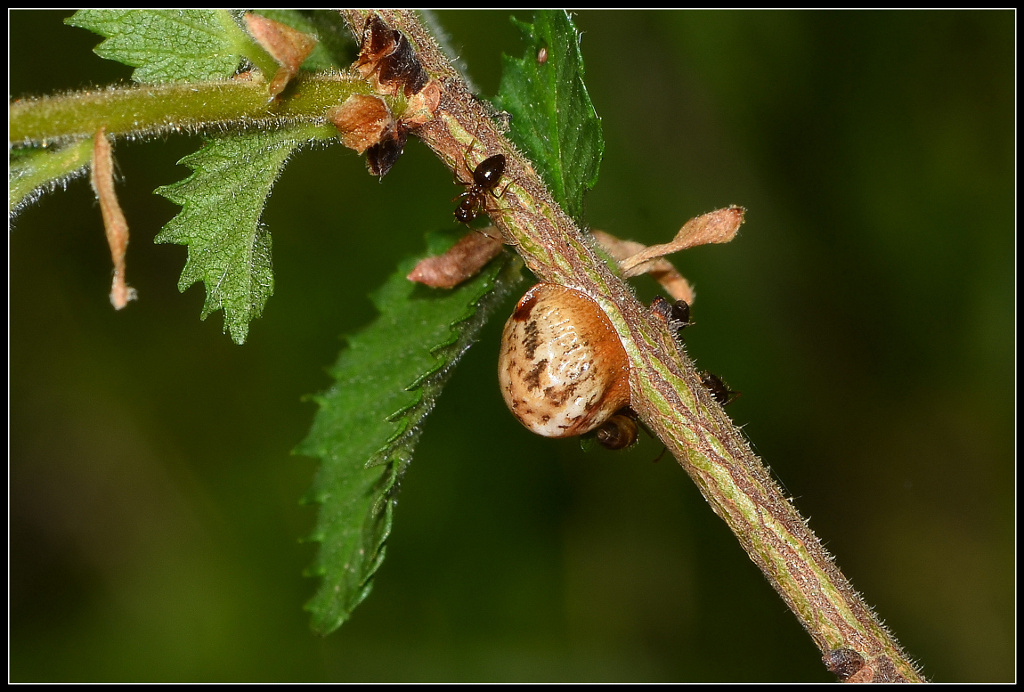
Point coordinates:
[[485, 179]]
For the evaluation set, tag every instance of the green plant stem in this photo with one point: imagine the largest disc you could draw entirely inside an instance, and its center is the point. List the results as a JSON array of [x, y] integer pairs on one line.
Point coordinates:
[[32, 171], [147, 110], [665, 387]]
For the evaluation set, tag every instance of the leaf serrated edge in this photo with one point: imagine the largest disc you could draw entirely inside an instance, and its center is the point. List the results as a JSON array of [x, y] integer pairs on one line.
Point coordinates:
[[397, 452], [236, 321]]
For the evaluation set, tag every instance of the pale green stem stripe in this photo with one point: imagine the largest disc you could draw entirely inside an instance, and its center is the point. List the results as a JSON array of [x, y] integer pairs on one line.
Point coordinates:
[[666, 390]]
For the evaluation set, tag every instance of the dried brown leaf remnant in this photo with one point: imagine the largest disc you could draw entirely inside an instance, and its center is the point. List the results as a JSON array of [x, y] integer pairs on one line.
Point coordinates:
[[420, 106], [388, 60], [661, 270], [361, 121], [714, 227], [635, 258], [113, 218], [289, 47], [463, 260]]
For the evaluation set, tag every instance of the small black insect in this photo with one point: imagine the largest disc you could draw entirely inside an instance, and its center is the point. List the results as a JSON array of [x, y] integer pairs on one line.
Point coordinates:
[[719, 391], [675, 315], [618, 432], [680, 314], [485, 179]]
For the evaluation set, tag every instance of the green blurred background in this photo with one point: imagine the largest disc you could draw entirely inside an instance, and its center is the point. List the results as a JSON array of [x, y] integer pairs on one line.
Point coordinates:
[[866, 312]]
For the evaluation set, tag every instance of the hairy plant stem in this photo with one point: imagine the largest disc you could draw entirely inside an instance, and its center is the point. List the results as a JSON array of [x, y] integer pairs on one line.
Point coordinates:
[[665, 388], [151, 109]]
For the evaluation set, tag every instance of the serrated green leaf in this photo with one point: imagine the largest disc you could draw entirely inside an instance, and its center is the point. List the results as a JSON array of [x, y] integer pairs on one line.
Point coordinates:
[[386, 382], [228, 249], [33, 171], [553, 118], [172, 45]]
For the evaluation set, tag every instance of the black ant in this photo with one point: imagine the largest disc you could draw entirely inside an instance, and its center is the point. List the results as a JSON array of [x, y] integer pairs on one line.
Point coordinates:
[[485, 179]]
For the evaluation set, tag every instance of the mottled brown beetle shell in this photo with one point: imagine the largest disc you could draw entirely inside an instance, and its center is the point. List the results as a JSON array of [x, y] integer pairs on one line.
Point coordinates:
[[562, 368]]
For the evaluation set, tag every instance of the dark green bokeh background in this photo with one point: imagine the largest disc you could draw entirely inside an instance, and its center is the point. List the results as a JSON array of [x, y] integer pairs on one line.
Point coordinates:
[[866, 312]]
